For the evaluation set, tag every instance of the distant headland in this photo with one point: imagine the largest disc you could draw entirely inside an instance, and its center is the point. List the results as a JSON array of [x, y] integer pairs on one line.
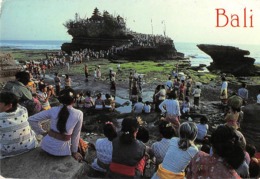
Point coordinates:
[[110, 33]]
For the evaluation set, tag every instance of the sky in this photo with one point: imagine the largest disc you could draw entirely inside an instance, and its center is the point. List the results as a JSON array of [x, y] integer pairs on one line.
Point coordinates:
[[183, 20]]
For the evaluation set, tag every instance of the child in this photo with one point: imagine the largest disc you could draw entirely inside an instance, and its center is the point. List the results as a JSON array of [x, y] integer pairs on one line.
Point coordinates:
[[147, 107], [104, 148], [202, 128], [186, 106]]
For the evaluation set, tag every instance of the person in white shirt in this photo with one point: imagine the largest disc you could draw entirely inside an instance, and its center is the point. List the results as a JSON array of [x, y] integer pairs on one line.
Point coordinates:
[[224, 91], [202, 128], [138, 107], [171, 107], [196, 93], [65, 125]]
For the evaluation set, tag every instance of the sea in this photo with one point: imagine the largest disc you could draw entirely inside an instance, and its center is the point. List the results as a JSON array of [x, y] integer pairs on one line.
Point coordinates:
[[191, 51]]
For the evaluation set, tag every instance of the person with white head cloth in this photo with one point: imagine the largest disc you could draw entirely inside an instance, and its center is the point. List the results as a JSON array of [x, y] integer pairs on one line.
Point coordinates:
[[179, 154]]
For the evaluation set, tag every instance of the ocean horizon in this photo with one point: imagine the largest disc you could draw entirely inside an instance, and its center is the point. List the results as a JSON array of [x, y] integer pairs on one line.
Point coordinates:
[[190, 50]]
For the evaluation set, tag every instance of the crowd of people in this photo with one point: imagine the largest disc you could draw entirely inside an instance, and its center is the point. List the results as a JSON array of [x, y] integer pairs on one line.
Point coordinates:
[[185, 149]]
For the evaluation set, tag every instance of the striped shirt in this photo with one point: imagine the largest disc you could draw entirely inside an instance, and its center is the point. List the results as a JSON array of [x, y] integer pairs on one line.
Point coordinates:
[[160, 148], [104, 150], [73, 127]]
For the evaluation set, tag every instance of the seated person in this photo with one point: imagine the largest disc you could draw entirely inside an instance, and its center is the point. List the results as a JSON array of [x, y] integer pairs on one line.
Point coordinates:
[[128, 152], [202, 129], [185, 108], [104, 148], [160, 148], [16, 134], [138, 107], [99, 103], [181, 150], [227, 156], [89, 103], [147, 107], [65, 126], [109, 102], [44, 96]]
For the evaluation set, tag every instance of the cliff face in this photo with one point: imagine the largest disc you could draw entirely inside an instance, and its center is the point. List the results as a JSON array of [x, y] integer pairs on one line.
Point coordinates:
[[229, 59]]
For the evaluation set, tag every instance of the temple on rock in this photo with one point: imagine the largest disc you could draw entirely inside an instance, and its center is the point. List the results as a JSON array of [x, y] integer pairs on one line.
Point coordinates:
[[107, 32]]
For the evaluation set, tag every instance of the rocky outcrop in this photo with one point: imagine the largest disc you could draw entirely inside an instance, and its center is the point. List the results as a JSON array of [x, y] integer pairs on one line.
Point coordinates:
[[39, 164], [250, 126], [229, 59], [8, 67], [106, 32]]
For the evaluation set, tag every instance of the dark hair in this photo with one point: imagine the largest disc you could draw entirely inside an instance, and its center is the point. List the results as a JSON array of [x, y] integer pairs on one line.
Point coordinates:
[[143, 134], [172, 95], [243, 85], [254, 168], [187, 99], [204, 120], [23, 77], [9, 98], [223, 78], [166, 129], [108, 96], [67, 76], [109, 131], [56, 74], [251, 150], [66, 97], [225, 143], [88, 93], [42, 86], [188, 132], [140, 99], [129, 127]]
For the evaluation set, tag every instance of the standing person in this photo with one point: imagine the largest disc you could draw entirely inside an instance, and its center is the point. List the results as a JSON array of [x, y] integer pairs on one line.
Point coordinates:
[[16, 134], [86, 72], [95, 74], [67, 81], [113, 82], [118, 68], [104, 148], [161, 95], [139, 82], [65, 126], [224, 91], [196, 93], [171, 107], [98, 72], [57, 82], [182, 89], [243, 93], [188, 86], [127, 151], [179, 154], [227, 156], [131, 79], [169, 85]]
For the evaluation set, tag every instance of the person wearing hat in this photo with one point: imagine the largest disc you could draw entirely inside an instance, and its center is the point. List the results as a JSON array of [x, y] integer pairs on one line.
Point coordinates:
[[65, 125]]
